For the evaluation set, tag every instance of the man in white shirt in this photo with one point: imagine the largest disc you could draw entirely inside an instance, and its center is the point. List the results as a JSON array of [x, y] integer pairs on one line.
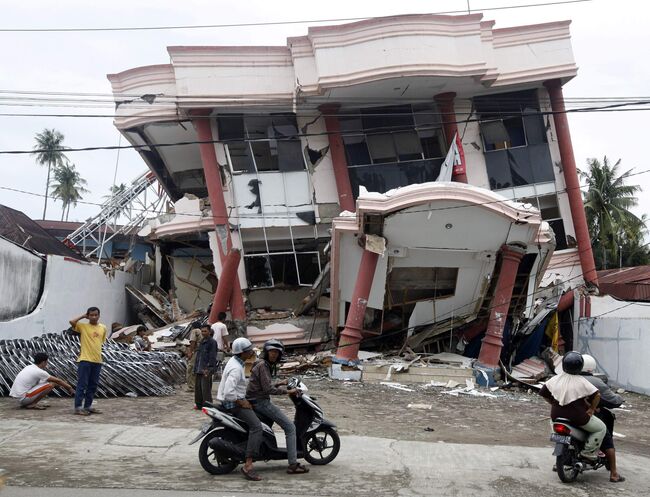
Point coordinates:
[[33, 383], [232, 394], [221, 334]]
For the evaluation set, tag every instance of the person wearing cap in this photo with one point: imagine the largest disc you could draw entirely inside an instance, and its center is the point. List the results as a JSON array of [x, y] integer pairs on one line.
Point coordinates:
[[34, 383], [608, 400], [232, 395], [259, 391]]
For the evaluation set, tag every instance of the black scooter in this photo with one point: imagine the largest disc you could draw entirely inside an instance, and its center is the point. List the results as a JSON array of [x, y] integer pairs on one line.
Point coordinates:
[[225, 436]]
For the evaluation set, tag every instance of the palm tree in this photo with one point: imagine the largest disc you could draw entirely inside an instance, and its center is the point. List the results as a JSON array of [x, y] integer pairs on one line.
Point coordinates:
[[49, 151], [68, 187], [607, 202], [115, 190]]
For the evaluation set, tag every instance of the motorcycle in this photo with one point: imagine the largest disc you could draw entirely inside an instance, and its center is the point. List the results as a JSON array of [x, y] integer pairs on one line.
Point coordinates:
[[225, 436], [569, 444]]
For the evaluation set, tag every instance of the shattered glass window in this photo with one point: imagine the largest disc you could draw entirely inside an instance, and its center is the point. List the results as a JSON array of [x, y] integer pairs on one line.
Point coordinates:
[[514, 139], [262, 143], [388, 147], [549, 209]]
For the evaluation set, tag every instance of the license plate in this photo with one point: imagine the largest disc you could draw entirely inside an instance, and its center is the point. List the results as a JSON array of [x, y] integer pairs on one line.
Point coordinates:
[[563, 439], [204, 429]]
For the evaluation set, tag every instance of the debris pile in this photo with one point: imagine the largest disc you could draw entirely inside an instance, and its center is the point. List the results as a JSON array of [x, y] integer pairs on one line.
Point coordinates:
[[125, 372]]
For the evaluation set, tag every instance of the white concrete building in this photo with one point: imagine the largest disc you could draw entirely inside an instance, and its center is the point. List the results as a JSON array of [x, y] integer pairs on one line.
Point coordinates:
[[289, 135]]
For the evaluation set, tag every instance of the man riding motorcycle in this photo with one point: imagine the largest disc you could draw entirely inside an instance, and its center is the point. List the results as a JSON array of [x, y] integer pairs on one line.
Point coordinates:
[[261, 387], [232, 394]]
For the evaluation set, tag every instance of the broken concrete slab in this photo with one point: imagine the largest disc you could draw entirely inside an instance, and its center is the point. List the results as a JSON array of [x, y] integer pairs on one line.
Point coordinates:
[[342, 372], [416, 374]]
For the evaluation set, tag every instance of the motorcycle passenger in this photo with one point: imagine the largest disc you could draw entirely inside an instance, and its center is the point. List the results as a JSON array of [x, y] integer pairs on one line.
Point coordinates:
[[261, 387], [573, 397], [232, 394], [608, 400]]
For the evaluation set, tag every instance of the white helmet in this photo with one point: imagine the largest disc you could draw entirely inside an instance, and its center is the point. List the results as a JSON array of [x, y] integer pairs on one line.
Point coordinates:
[[589, 365], [240, 345]]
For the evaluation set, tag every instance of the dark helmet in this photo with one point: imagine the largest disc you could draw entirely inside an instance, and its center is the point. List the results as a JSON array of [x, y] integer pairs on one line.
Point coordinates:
[[273, 344], [572, 362]]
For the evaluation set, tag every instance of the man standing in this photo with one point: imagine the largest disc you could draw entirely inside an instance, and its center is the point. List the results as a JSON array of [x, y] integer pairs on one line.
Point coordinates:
[[33, 383], [232, 394], [195, 338], [220, 331], [206, 362], [92, 336]]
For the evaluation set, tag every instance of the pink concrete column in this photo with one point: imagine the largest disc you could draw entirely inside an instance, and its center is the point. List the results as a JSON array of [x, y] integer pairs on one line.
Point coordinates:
[[339, 162], [570, 172], [224, 289], [445, 102], [351, 336], [219, 211], [492, 343]]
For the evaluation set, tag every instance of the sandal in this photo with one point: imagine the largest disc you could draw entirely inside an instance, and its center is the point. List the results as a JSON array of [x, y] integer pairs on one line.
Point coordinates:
[[251, 475], [619, 480], [297, 469], [38, 407]]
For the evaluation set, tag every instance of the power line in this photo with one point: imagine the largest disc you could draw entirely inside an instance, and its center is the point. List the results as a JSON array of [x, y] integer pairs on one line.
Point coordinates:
[[352, 132], [269, 23]]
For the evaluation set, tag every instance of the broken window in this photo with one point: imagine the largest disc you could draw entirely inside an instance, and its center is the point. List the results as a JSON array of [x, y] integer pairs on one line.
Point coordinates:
[[514, 139], [389, 147], [262, 143], [282, 269], [550, 211], [407, 285]]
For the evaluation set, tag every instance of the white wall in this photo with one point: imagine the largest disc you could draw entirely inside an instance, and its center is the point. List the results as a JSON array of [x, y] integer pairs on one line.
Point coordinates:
[[617, 336], [20, 279], [189, 296], [70, 288]]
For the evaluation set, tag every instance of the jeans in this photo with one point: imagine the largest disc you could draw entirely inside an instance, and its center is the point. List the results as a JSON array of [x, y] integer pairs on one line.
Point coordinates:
[[267, 408], [249, 417], [87, 381], [597, 430], [203, 389]]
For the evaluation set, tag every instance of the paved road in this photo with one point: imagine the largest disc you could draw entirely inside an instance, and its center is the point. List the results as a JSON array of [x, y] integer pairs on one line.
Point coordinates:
[[87, 456]]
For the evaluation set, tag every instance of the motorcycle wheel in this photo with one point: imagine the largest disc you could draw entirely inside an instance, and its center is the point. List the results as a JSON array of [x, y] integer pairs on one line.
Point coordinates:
[[211, 460], [322, 446], [566, 468]]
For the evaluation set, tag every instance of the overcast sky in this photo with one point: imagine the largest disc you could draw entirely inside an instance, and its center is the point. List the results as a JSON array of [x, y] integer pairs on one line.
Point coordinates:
[[609, 39]]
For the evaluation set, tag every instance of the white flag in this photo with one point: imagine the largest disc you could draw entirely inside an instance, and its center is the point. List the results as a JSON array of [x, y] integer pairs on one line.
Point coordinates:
[[453, 159]]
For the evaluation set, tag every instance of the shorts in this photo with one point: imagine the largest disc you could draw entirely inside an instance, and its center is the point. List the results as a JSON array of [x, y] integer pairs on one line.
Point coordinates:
[[35, 393]]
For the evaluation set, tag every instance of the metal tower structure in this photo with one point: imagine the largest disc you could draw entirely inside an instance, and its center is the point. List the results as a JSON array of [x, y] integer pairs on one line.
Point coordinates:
[[142, 199]]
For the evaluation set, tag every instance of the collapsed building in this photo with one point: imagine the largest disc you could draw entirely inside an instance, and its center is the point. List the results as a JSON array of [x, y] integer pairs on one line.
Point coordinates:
[[270, 153]]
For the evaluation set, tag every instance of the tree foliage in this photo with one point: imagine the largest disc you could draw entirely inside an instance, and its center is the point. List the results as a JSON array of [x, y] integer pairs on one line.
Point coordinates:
[[68, 187], [616, 233], [48, 151]]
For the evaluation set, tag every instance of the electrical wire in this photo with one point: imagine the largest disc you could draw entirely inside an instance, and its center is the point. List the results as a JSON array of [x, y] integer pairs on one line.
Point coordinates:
[[351, 132], [269, 23]]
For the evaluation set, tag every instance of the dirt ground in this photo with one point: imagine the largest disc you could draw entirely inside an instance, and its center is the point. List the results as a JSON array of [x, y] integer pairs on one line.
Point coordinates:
[[515, 417]]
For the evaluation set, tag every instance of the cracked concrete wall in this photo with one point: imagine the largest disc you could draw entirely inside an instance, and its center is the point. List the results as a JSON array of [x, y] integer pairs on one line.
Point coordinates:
[[322, 172]]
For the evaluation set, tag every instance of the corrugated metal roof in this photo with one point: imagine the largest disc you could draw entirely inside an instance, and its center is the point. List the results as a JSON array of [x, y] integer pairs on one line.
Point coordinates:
[[20, 229], [630, 283]]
